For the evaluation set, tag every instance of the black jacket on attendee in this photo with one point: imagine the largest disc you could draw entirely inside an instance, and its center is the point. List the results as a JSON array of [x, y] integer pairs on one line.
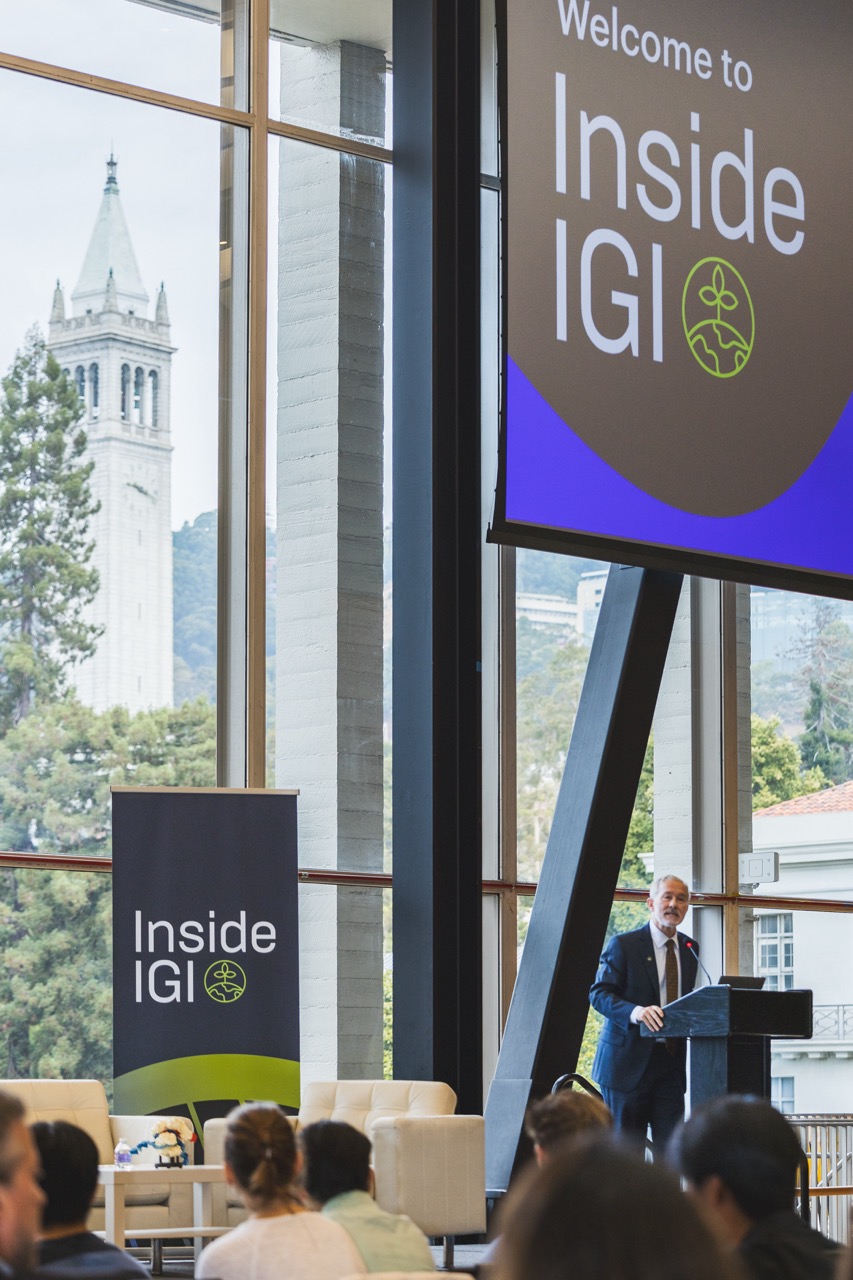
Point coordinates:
[[783, 1247]]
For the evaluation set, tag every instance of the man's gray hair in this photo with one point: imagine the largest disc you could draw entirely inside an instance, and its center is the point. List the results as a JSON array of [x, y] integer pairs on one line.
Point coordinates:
[[11, 1111], [658, 883]]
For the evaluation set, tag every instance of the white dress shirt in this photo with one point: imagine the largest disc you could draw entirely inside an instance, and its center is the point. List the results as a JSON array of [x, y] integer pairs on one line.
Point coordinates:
[[660, 939]]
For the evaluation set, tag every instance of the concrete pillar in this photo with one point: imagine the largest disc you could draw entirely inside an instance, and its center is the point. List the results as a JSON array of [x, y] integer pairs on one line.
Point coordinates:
[[329, 542], [703, 749]]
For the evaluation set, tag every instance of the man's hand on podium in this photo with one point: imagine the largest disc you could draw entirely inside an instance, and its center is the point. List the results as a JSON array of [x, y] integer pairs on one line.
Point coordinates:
[[652, 1016]]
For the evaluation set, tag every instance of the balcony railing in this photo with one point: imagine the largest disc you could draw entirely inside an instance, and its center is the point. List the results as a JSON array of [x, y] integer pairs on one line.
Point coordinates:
[[833, 1022], [828, 1142]]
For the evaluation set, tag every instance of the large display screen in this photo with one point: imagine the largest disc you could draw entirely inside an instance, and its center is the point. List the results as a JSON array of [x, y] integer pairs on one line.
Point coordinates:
[[679, 256]]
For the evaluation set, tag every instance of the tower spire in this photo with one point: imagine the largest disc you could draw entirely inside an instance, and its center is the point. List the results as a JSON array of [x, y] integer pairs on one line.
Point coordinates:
[[58, 310], [110, 250], [110, 294], [162, 314]]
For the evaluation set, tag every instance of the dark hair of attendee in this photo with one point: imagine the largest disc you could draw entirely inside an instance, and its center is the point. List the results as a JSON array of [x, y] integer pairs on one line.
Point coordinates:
[[337, 1159], [69, 1164], [261, 1151], [748, 1145], [598, 1211], [11, 1111], [558, 1116]]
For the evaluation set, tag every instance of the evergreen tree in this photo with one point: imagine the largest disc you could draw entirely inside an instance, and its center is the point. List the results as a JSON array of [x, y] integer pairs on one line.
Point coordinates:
[[46, 579], [56, 769], [777, 770], [825, 655]]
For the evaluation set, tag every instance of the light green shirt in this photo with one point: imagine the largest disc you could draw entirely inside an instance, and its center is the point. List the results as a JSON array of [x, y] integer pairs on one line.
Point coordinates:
[[386, 1241]]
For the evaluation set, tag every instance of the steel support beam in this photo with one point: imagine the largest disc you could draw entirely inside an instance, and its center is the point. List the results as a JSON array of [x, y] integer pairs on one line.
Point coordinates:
[[437, 903], [580, 871]]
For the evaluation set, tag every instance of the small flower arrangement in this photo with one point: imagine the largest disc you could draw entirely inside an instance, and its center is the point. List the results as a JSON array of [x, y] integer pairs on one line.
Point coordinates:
[[170, 1139]]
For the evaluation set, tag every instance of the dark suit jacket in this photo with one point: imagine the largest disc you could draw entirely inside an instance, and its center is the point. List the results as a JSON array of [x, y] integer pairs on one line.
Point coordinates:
[[628, 976]]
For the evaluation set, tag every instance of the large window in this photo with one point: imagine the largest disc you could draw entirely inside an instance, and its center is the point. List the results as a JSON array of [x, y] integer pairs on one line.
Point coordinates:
[[160, 341]]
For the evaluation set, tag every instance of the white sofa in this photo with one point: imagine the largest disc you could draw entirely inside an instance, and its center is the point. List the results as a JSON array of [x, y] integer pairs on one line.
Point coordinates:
[[428, 1162], [84, 1103]]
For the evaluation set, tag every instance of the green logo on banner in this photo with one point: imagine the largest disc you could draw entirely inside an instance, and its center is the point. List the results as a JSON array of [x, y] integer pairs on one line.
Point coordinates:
[[719, 321], [224, 981]]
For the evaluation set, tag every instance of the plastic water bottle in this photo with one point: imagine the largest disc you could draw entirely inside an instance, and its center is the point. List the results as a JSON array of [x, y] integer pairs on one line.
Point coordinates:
[[123, 1158]]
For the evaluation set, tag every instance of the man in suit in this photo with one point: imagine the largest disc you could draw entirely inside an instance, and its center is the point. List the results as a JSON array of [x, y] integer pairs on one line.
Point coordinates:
[[643, 1078]]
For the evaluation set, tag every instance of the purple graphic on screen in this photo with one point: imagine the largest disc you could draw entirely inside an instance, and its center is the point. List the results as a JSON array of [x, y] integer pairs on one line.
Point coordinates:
[[556, 481]]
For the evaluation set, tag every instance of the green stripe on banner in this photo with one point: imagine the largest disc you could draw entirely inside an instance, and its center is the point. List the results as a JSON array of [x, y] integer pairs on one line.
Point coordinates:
[[207, 1077]]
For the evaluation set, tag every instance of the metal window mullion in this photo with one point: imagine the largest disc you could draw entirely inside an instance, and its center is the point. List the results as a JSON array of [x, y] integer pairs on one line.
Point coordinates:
[[241, 601], [121, 89], [256, 435]]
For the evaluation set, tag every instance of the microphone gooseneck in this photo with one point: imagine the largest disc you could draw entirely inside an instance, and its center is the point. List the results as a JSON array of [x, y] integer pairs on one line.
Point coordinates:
[[691, 946]]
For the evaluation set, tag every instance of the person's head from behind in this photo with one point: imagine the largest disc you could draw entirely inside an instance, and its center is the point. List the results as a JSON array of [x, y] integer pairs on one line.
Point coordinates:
[[261, 1159], [336, 1160], [597, 1210], [740, 1159], [69, 1175], [21, 1196], [559, 1117]]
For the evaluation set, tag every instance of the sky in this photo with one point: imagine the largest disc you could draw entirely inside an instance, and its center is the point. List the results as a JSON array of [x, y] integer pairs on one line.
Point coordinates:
[[53, 152]]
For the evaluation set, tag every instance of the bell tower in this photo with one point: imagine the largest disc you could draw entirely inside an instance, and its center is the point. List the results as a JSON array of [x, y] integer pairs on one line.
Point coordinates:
[[120, 361]]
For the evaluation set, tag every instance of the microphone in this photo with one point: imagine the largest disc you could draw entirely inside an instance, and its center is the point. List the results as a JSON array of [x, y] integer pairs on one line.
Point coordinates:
[[691, 946]]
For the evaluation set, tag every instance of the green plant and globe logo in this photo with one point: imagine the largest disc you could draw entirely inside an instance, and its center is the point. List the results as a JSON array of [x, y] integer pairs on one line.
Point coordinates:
[[224, 981], [718, 317]]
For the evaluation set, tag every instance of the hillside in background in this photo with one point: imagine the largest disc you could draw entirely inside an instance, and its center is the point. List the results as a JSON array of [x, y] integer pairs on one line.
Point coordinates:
[[194, 606]]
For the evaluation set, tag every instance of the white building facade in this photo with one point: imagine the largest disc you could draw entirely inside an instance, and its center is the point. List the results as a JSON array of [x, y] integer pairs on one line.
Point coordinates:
[[121, 363], [814, 838]]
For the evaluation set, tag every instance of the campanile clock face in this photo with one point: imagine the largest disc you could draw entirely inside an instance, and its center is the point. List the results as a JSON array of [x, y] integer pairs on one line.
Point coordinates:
[[680, 267]]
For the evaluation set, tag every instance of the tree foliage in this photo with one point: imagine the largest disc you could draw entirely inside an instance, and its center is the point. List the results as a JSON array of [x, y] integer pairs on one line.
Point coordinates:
[[56, 768], [824, 654], [547, 702], [46, 578], [777, 767]]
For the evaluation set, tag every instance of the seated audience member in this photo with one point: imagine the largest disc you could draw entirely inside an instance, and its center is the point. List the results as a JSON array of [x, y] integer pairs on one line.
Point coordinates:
[[740, 1159], [561, 1116], [21, 1196], [551, 1122], [597, 1211], [69, 1164], [281, 1240], [338, 1179]]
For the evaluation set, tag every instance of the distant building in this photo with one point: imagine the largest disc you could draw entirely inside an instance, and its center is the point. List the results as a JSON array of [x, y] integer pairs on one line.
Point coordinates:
[[777, 619], [549, 613], [814, 838], [121, 363], [590, 594]]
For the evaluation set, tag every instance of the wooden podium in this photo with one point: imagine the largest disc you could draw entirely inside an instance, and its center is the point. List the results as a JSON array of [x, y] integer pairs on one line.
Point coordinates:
[[730, 1029]]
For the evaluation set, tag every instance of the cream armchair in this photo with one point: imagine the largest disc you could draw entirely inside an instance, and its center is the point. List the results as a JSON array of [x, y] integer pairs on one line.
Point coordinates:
[[84, 1103], [428, 1162]]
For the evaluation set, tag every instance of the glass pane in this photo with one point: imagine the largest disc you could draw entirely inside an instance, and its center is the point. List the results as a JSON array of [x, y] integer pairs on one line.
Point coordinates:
[[802, 741], [119, 639], [558, 599], [329, 67], [328, 407], [168, 45], [56, 975]]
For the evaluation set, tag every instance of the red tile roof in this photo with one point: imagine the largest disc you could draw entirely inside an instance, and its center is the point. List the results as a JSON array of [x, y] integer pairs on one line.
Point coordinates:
[[832, 800]]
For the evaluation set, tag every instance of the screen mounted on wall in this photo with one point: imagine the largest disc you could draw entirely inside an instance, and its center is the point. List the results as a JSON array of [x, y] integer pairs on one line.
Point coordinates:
[[679, 329]]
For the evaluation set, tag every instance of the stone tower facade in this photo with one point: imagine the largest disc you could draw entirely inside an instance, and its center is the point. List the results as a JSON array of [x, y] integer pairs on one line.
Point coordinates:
[[121, 363]]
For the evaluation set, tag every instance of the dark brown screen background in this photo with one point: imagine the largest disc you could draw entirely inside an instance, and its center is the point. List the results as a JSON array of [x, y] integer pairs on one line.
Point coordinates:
[[703, 444]]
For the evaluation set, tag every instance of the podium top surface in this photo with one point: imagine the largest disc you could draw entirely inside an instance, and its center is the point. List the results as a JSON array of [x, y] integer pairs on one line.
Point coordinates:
[[721, 1010]]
